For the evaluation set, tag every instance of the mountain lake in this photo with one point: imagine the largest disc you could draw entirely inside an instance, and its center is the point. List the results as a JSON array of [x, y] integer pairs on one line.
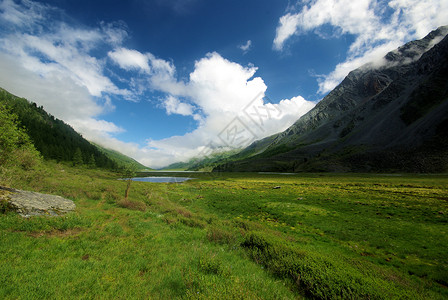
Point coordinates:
[[161, 179]]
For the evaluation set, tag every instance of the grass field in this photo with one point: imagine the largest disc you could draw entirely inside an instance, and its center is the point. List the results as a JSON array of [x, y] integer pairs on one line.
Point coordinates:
[[230, 236]]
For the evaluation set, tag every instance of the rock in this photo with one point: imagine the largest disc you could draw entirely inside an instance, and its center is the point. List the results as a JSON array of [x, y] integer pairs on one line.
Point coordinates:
[[29, 204]]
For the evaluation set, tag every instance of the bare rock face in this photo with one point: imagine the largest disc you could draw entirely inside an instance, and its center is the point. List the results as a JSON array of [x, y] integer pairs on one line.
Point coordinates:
[[29, 204]]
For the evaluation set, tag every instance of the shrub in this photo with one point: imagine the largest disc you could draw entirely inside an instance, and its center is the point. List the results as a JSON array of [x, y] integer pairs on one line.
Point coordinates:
[[184, 212], [15, 145], [317, 276], [133, 205], [5, 206], [219, 235], [212, 265], [192, 222]]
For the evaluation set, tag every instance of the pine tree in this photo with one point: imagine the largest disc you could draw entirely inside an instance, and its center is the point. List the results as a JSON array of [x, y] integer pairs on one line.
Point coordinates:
[[92, 163], [77, 157]]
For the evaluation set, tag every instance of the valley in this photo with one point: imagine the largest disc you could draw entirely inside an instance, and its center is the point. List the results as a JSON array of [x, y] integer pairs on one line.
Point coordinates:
[[230, 235]]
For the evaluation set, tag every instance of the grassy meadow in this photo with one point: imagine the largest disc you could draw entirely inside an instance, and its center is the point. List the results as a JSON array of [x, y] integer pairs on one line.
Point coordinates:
[[229, 236]]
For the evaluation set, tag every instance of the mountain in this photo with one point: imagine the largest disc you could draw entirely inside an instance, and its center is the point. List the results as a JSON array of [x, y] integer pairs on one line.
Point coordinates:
[[52, 137], [390, 115], [204, 163], [121, 159]]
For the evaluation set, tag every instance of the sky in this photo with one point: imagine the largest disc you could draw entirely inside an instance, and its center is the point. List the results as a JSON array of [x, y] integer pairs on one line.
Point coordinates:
[[164, 81]]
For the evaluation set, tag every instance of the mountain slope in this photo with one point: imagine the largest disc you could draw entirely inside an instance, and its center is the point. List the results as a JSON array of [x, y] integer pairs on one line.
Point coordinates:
[[204, 163], [385, 116], [121, 159], [52, 137]]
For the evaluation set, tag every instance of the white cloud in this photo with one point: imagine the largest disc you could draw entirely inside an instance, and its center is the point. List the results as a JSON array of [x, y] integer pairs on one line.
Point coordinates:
[[158, 72], [61, 48], [130, 59], [286, 29], [217, 84], [115, 32], [378, 27], [92, 127], [330, 81], [52, 64], [349, 16], [246, 47], [20, 15], [174, 106], [217, 92], [58, 93], [222, 91], [49, 62]]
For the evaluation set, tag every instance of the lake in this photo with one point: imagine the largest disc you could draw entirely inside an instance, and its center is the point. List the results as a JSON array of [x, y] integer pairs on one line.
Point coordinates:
[[161, 179]]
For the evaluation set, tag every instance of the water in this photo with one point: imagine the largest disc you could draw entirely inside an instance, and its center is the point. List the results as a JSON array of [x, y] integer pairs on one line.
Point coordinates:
[[161, 179], [277, 173]]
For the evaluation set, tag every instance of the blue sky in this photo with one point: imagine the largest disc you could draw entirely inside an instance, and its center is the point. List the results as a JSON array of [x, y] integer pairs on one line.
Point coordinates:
[[167, 80]]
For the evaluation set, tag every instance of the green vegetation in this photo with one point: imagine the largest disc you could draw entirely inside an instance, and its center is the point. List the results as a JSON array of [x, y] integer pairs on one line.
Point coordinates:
[[17, 153], [222, 235], [52, 137], [121, 160], [206, 163]]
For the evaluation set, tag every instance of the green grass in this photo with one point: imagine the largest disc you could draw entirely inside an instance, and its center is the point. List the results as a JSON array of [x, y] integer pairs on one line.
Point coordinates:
[[230, 236]]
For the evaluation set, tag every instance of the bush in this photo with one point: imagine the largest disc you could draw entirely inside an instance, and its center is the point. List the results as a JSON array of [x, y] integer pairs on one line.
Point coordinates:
[[192, 222], [15, 145], [133, 205], [317, 276], [219, 235], [212, 265], [5, 206]]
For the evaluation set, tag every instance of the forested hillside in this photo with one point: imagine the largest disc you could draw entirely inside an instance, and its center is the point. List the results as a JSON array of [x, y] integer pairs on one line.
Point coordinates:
[[52, 137], [122, 160]]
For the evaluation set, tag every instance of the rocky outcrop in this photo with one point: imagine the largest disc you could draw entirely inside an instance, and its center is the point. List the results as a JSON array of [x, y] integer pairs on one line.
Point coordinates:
[[29, 204]]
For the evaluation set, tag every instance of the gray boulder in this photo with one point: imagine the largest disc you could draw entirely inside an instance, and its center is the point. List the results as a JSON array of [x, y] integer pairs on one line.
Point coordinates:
[[29, 204]]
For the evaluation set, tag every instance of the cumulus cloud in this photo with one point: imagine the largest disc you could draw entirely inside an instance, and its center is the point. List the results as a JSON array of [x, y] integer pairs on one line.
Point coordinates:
[[130, 59], [57, 92], [378, 27], [55, 48], [174, 106], [52, 63], [225, 98], [233, 108], [49, 62]]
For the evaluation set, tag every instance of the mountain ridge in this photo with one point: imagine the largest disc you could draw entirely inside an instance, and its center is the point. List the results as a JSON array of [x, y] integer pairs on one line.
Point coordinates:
[[55, 139], [376, 110]]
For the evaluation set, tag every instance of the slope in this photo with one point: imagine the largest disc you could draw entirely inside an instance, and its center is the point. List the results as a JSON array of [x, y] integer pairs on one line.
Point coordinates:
[[121, 159], [52, 137], [389, 115]]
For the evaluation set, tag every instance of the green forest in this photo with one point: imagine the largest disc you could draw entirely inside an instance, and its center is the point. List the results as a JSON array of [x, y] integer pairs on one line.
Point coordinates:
[[53, 138]]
